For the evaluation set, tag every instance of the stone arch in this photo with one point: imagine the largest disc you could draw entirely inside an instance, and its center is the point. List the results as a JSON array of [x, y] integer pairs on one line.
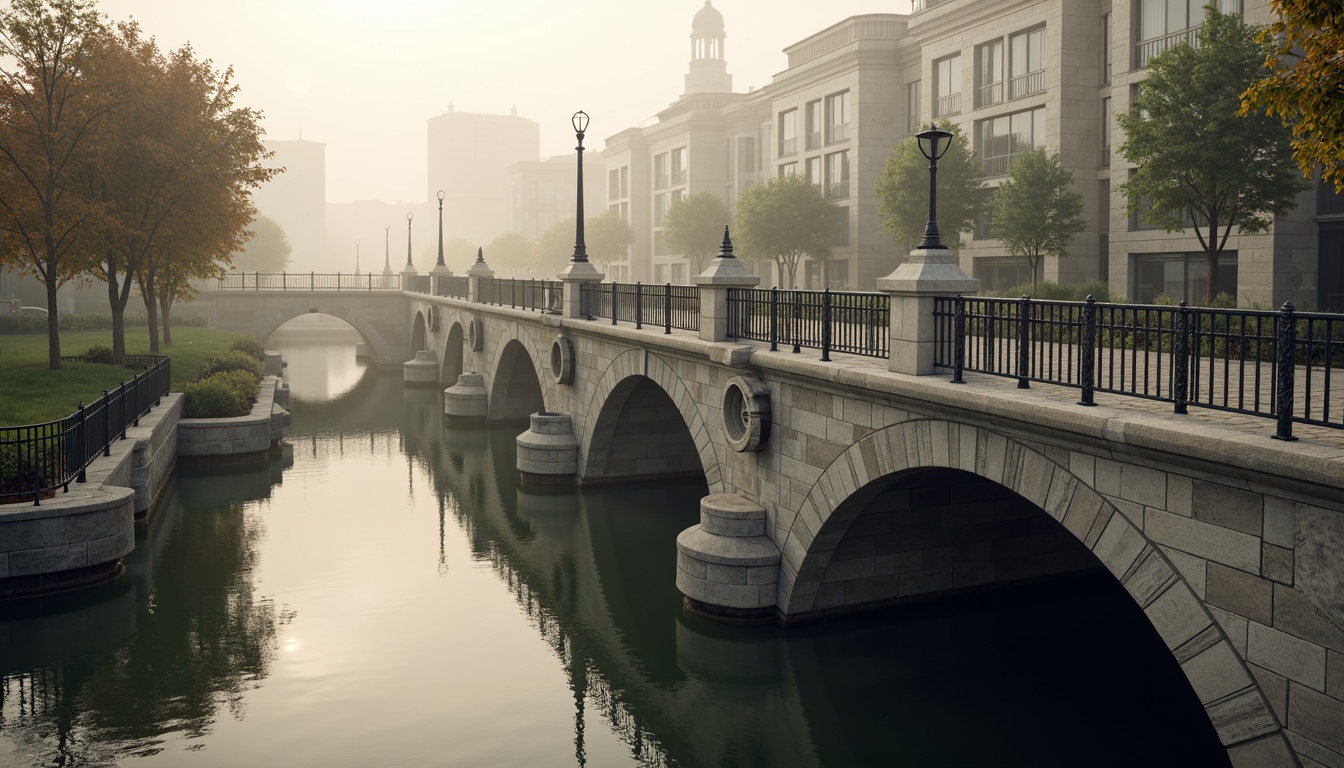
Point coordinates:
[[451, 361], [1230, 695], [509, 348], [419, 333], [640, 363], [382, 350]]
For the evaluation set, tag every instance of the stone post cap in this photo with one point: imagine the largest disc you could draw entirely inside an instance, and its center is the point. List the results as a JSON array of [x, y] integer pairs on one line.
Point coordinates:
[[409, 271], [441, 269], [581, 272], [929, 271], [481, 269], [729, 272]]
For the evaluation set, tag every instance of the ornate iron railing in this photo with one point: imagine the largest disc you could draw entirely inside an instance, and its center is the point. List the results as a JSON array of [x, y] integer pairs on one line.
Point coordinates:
[[832, 321], [1285, 365], [310, 281], [38, 459], [667, 306], [522, 293]]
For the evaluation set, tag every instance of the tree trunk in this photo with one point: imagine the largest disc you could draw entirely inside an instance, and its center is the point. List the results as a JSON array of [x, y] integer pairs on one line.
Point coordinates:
[[152, 309], [53, 331], [118, 317], [1211, 289], [165, 314]]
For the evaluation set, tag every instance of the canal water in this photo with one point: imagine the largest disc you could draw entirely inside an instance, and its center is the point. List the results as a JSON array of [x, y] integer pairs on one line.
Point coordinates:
[[380, 592]]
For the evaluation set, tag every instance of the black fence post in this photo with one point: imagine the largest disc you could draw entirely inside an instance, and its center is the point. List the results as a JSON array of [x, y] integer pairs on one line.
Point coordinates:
[[1287, 372], [797, 320], [107, 424], [1181, 360], [121, 398], [1024, 343], [667, 308], [613, 302], [312, 282], [774, 319], [826, 325], [1087, 354], [639, 305], [81, 441], [135, 387], [959, 340]]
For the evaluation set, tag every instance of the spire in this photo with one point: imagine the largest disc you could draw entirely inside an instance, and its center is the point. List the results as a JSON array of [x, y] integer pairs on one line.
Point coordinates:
[[726, 250], [708, 71]]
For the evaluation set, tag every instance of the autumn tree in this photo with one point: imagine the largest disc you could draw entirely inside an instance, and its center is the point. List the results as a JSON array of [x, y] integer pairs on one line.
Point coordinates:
[[608, 238], [782, 221], [268, 250], [1305, 84], [1036, 213], [693, 227], [1199, 163], [903, 191], [50, 108]]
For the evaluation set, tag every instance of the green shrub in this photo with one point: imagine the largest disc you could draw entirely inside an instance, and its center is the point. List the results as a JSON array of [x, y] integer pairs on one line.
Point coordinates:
[[1049, 290], [230, 361], [251, 346], [221, 395], [98, 353]]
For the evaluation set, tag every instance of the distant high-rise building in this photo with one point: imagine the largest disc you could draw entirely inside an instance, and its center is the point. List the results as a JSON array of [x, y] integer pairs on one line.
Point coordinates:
[[297, 199], [469, 157]]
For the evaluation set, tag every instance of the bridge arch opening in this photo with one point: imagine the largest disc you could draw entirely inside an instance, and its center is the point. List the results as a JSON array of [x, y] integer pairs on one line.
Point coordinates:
[[515, 390], [419, 334], [450, 362], [325, 355], [640, 434]]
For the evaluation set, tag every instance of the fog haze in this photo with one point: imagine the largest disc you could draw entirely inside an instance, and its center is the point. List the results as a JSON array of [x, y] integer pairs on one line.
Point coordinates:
[[363, 77]]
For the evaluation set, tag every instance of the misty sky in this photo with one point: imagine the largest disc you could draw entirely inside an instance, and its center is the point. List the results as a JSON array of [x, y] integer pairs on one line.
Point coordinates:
[[363, 76]]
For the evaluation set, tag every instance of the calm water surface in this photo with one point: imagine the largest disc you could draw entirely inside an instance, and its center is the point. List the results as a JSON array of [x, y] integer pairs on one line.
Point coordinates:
[[381, 593]]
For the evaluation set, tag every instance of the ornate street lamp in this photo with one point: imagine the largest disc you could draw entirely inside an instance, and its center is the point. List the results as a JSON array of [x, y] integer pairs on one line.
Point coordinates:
[[580, 123], [440, 262], [410, 266], [933, 144]]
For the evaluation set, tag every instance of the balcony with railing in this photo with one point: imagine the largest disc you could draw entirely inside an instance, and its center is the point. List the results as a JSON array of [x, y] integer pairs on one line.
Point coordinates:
[[837, 132], [1027, 85], [947, 105], [838, 189], [814, 140], [788, 147], [996, 166], [1147, 49], [679, 177], [990, 94]]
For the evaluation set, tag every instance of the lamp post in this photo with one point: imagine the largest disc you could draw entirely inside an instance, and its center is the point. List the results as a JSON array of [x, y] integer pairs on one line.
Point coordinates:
[[387, 249], [410, 266], [580, 123], [933, 144], [356, 257], [440, 266]]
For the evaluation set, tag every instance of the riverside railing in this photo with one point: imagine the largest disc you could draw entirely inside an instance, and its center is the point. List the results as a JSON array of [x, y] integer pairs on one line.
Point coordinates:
[[667, 306], [311, 281], [1285, 365], [522, 293], [832, 321], [38, 459], [454, 286]]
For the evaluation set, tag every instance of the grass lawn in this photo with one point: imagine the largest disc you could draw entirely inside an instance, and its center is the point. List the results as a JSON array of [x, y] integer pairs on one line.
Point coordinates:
[[31, 393]]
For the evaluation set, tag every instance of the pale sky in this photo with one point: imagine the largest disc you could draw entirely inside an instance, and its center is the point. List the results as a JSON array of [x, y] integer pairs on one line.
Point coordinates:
[[364, 76]]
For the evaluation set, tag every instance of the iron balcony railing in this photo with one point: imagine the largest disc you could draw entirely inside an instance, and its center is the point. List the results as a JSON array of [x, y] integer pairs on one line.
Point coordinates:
[[1147, 49], [832, 321], [1026, 85], [987, 95], [667, 306], [837, 132], [38, 459], [1285, 365], [310, 281], [788, 147], [996, 166], [947, 105], [522, 293]]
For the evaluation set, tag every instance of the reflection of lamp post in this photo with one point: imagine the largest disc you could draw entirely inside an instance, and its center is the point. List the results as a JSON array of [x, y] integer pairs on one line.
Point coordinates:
[[580, 123], [387, 249], [440, 265], [410, 266], [933, 144]]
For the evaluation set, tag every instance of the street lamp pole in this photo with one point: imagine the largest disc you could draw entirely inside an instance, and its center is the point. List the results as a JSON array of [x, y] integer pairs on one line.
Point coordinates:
[[580, 123], [356, 257], [440, 263], [933, 144], [387, 249], [410, 266]]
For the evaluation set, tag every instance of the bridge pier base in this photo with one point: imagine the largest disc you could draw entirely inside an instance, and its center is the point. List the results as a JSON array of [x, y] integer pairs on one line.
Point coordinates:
[[465, 402], [548, 452], [422, 370], [727, 567]]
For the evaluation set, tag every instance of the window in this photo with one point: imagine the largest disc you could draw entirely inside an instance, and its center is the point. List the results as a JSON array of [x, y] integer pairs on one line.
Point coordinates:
[[837, 174], [660, 175], [1164, 23], [1106, 132], [788, 133], [788, 169], [1105, 49], [746, 154], [831, 273], [984, 219], [614, 184], [912, 105], [660, 203], [989, 74], [999, 138], [947, 86], [679, 165], [998, 274], [677, 196], [813, 166], [1179, 277], [1026, 56], [814, 124], [837, 117], [839, 227]]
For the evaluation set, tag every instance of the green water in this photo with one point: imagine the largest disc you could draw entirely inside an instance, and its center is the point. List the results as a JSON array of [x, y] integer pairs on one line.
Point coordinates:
[[381, 593]]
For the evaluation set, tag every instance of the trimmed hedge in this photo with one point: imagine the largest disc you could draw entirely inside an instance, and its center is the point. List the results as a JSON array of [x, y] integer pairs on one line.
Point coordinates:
[[96, 321], [221, 395], [250, 346], [232, 360], [98, 353]]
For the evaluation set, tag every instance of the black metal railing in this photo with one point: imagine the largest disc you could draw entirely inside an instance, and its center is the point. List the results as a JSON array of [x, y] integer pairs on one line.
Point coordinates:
[[38, 459], [522, 293], [832, 321], [454, 286], [1285, 365], [417, 283], [310, 281], [665, 306]]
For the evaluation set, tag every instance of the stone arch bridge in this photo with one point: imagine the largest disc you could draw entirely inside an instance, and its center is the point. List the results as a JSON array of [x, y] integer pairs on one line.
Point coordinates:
[[846, 484]]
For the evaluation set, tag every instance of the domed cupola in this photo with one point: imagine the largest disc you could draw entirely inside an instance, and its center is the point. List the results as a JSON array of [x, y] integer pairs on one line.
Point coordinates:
[[709, 71]]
